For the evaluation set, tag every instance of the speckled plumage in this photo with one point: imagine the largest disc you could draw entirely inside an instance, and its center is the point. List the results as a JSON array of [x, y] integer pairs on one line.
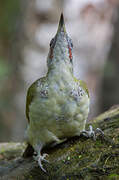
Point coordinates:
[[57, 105]]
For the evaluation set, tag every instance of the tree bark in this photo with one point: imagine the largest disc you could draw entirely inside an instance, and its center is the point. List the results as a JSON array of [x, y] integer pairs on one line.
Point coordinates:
[[77, 158]]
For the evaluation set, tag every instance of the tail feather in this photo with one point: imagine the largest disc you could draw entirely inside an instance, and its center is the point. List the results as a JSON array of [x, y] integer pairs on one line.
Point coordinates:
[[29, 151]]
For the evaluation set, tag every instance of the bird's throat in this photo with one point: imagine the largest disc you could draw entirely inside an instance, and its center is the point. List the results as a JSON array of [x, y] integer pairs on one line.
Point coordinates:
[[60, 71]]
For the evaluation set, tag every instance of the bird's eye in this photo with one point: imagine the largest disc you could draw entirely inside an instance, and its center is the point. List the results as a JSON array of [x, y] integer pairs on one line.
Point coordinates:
[[51, 42], [71, 44]]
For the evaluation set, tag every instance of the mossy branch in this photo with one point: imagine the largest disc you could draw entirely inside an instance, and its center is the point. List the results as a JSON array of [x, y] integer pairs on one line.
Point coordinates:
[[78, 158]]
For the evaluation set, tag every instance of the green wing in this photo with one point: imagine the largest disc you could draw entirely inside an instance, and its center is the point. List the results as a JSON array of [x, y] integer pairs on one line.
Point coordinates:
[[30, 95], [83, 85]]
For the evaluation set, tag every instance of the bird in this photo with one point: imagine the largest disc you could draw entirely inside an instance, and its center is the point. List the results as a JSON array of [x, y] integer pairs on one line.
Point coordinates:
[[57, 105]]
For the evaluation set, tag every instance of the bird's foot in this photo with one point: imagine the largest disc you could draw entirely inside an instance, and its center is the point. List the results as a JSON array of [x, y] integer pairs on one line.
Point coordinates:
[[91, 133], [41, 158]]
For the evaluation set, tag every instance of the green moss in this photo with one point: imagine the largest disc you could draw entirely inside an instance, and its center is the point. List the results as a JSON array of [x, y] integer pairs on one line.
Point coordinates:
[[11, 150], [113, 176]]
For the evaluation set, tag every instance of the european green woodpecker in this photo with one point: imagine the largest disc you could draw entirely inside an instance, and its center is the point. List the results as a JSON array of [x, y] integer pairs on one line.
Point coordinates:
[[57, 105]]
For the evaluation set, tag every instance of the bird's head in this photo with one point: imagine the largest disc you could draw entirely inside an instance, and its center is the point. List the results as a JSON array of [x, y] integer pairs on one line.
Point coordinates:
[[60, 47]]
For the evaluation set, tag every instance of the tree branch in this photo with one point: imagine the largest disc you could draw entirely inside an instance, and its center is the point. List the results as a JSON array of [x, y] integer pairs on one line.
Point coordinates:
[[77, 158]]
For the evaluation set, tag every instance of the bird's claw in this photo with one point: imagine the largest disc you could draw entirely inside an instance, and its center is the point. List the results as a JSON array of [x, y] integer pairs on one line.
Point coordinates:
[[98, 130], [91, 133], [41, 158]]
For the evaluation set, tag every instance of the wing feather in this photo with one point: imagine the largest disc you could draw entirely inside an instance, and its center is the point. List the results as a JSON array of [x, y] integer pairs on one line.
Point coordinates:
[[30, 95], [82, 84]]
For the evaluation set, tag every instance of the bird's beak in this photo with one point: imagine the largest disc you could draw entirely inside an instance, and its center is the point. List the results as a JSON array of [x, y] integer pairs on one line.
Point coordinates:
[[61, 26]]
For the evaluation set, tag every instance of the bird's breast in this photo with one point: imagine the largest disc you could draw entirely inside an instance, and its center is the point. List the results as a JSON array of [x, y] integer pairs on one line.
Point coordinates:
[[58, 102]]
